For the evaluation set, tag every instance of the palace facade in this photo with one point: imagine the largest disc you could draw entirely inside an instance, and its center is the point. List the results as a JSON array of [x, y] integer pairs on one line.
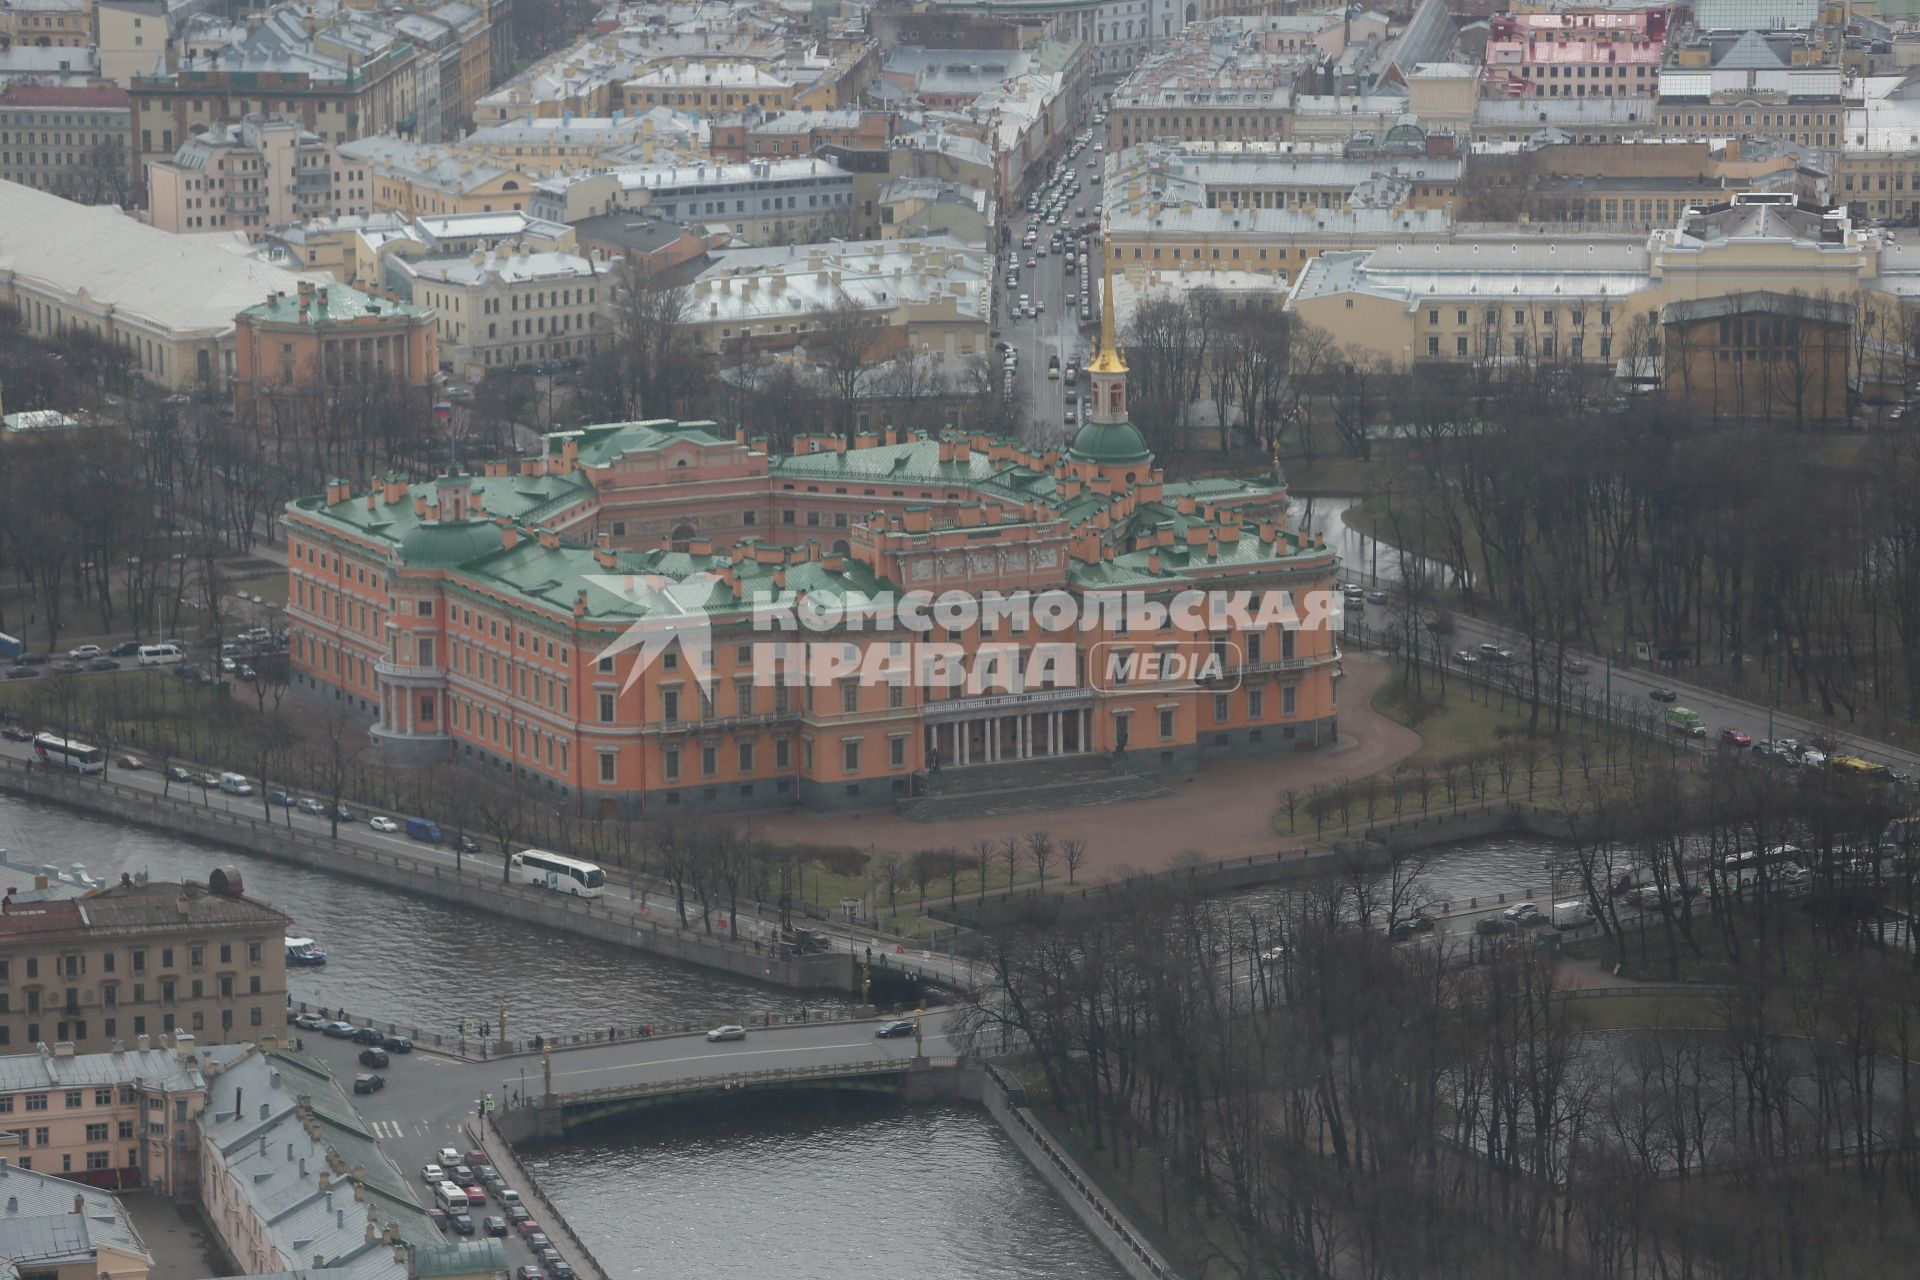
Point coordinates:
[[474, 618]]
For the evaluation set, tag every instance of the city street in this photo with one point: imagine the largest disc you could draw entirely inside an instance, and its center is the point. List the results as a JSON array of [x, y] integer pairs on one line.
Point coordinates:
[[1055, 331]]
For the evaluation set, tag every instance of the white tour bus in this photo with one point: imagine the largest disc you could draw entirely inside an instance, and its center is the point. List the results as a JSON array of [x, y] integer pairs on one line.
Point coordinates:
[[64, 753], [561, 874], [156, 655]]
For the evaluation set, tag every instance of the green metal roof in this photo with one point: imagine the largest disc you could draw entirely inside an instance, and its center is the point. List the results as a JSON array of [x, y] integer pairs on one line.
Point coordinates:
[[1109, 444], [344, 305], [459, 1257]]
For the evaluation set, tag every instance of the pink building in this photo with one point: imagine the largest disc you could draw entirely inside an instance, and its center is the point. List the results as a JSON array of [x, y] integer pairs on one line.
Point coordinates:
[[1605, 53], [119, 1119]]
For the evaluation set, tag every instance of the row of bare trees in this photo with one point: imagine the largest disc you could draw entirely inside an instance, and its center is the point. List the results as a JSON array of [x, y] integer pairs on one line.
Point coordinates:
[[1287, 1093]]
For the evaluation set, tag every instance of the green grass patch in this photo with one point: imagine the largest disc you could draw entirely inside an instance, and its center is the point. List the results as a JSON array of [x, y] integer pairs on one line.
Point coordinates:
[[1454, 717]]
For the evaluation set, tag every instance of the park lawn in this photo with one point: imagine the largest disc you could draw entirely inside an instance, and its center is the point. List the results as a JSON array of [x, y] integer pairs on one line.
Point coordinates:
[[1466, 720]]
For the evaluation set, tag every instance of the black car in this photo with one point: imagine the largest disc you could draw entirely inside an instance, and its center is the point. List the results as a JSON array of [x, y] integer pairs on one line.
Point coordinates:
[[560, 1271], [177, 774], [103, 664], [1489, 926], [468, 844], [397, 1044], [1411, 925], [36, 659], [125, 649], [462, 1222], [22, 673], [367, 1035], [1663, 695], [373, 1084], [888, 1030], [373, 1058], [14, 733]]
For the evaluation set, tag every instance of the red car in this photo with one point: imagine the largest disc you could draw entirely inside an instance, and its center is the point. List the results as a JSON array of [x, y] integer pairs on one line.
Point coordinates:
[[1734, 738], [475, 1159], [527, 1226], [132, 762], [476, 1194]]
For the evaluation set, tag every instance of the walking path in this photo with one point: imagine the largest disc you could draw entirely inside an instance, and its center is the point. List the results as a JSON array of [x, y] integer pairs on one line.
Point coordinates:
[[1226, 810]]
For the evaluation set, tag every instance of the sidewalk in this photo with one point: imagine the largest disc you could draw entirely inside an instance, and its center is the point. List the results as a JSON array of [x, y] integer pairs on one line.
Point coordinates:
[[1225, 811], [502, 1158]]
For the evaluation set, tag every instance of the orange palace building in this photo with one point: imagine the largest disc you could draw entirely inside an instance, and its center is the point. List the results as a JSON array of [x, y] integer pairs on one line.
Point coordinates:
[[467, 617]]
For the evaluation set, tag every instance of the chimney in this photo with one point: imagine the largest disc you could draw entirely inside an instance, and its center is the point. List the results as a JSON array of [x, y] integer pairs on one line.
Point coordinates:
[[1153, 563], [420, 506], [79, 1204], [238, 1093]]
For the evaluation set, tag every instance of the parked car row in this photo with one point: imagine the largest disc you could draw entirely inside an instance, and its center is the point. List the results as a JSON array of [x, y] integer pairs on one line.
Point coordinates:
[[462, 1182]]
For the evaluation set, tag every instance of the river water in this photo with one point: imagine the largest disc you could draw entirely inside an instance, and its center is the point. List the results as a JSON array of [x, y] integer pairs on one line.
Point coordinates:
[[797, 1190], [853, 1190], [805, 1189], [416, 961]]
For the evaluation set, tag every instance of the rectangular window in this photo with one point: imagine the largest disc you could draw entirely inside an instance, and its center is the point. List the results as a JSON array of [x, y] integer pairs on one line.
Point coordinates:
[[1220, 709], [709, 761], [607, 759], [1287, 701], [850, 755], [1166, 724], [606, 708], [746, 757], [670, 760], [1256, 703]]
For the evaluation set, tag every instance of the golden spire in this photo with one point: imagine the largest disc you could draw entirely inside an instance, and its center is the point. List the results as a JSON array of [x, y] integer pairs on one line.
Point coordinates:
[[1107, 358]]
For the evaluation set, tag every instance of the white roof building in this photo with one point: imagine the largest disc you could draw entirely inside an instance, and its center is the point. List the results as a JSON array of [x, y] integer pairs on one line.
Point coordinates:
[[170, 299]]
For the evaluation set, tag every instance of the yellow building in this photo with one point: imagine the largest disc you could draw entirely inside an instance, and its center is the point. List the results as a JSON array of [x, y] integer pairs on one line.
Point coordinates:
[[709, 88], [418, 179], [46, 24], [142, 959], [1602, 300]]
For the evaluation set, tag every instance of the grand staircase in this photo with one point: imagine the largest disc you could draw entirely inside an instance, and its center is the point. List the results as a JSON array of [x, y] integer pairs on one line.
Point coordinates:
[[1026, 786]]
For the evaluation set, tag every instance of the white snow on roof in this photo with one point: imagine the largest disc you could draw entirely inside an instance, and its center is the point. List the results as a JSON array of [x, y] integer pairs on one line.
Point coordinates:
[[183, 284]]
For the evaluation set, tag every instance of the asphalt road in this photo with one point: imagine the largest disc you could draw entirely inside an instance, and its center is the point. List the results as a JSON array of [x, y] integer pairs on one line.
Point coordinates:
[[429, 1098], [1054, 332], [1633, 685], [621, 893]]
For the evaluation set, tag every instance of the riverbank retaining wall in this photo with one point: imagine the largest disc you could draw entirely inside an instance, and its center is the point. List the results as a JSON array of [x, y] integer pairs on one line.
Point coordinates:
[[984, 1087], [1408, 836], [479, 888]]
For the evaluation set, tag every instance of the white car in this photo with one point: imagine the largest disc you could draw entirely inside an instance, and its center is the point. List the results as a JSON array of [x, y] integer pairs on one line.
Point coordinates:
[[433, 1175], [387, 825], [1521, 910], [449, 1157], [84, 652], [728, 1032]]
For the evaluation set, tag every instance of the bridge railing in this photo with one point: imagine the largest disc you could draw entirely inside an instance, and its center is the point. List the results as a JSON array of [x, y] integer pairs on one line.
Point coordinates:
[[741, 1080]]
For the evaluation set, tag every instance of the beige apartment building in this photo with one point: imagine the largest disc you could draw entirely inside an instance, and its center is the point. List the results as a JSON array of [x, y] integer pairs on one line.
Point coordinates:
[[249, 176], [418, 179], [710, 88], [116, 1120], [1692, 301], [929, 294], [513, 305], [141, 960], [47, 24]]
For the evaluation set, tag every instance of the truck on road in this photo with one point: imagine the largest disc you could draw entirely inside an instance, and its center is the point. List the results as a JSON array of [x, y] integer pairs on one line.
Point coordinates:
[[1681, 720], [1572, 914]]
